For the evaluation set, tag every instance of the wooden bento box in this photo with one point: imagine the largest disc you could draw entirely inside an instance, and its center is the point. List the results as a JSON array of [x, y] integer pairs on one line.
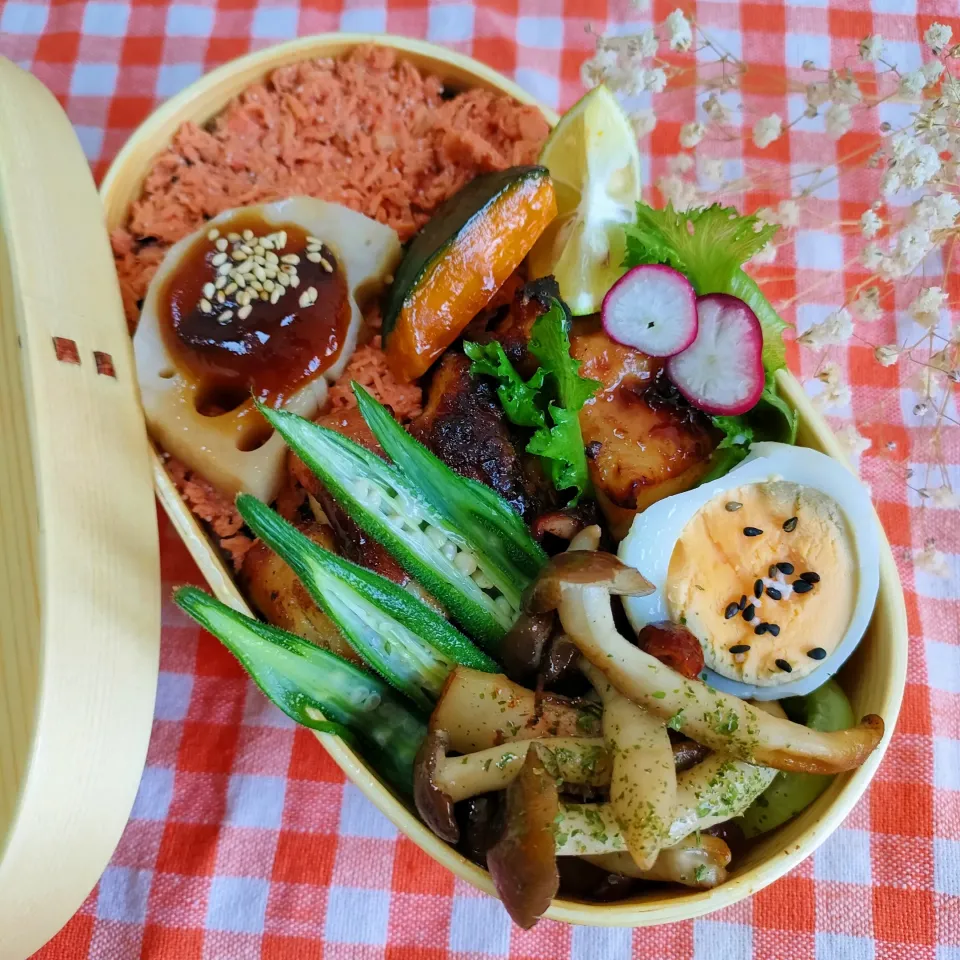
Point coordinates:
[[874, 679]]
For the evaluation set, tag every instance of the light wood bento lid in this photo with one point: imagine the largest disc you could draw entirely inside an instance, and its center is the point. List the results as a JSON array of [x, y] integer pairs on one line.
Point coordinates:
[[79, 564]]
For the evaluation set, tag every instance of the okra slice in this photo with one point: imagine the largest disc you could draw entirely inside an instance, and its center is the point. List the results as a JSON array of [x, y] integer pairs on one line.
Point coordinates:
[[317, 688], [483, 598], [408, 644], [485, 519]]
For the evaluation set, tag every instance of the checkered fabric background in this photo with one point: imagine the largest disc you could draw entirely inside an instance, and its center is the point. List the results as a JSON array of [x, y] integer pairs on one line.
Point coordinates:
[[245, 841]]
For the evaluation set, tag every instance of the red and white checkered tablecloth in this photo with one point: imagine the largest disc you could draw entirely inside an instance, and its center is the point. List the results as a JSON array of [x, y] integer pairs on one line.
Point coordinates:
[[245, 841]]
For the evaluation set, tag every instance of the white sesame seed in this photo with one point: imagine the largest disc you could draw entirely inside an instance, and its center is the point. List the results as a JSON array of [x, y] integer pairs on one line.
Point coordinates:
[[225, 317], [313, 241], [244, 311], [290, 258], [314, 257], [222, 244], [266, 243], [238, 255], [224, 268], [218, 259], [233, 237], [305, 300], [269, 285], [208, 290], [264, 296], [247, 249], [206, 306], [259, 273], [220, 297], [327, 266], [258, 250], [284, 279], [257, 285], [220, 283], [294, 280], [281, 239], [212, 234], [271, 272], [275, 296], [231, 289], [243, 298], [271, 257], [248, 235]]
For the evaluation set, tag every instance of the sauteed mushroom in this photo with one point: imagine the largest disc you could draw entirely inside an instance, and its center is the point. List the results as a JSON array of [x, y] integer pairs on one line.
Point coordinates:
[[717, 720], [695, 862]]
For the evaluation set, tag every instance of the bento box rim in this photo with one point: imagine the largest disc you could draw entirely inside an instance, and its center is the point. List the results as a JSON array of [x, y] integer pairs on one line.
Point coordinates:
[[200, 102]]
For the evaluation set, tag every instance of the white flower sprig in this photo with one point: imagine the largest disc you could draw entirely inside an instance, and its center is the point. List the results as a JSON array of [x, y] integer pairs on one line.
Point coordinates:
[[913, 217]]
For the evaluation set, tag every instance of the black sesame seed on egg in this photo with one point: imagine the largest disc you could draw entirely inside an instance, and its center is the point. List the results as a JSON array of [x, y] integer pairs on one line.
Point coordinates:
[[773, 629], [752, 531], [810, 577], [732, 610], [749, 612], [761, 628], [784, 665], [758, 588], [774, 594], [790, 525], [740, 648], [785, 568], [802, 586], [817, 653]]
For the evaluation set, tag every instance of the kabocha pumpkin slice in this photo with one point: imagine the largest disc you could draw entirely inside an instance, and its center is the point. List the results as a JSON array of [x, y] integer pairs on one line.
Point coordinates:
[[456, 263]]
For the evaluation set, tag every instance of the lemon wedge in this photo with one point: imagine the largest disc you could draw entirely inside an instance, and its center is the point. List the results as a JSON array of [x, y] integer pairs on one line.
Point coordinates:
[[593, 159]]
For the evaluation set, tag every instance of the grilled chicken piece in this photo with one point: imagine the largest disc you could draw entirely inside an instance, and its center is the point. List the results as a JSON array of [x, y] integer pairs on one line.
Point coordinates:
[[354, 544], [282, 600], [463, 424], [644, 442]]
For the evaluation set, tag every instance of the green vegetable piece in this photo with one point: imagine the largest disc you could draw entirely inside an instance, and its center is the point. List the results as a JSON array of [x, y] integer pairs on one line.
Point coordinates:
[[399, 508], [827, 708], [562, 444], [408, 644], [518, 396], [317, 688]]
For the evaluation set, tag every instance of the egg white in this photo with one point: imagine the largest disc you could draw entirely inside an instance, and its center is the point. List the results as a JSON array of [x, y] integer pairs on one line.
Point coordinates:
[[654, 534]]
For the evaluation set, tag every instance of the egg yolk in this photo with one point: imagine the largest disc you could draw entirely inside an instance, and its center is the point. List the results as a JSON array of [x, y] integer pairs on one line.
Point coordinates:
[[766, 578]]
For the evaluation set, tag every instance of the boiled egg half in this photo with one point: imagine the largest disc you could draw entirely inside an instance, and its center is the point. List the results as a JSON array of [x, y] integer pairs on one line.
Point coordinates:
[[773, 567]]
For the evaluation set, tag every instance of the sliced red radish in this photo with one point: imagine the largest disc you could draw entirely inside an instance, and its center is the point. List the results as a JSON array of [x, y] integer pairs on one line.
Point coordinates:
[[652, 308], [721, 372]]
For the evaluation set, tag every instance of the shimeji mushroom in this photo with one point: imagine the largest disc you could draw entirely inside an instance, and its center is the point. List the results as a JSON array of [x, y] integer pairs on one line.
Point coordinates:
[[643, 782], [480, 710], [716, 720], [699, 861]]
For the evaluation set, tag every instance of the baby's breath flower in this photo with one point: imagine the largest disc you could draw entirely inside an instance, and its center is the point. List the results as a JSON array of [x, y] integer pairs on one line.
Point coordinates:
[[654, 80], [936, 211], [871, 48], [870, 224], [715, 110], [867, 305], [926, 308], [681, 163], [911, 84], [937, 36], [913, 244], [710, 168], [887, 355], [679, 32], [643, 122], [872, 257], [944, 497], [830, 373], [766, 254], [931, 560], [767, 129], [832, 397], [931, 71], [852, 441], [644, 45], [691, 134], [927, 381], [788, 214], [838, 119], [599, 68], [835, 330], [816, 95], [681, 193], [843, 88]]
